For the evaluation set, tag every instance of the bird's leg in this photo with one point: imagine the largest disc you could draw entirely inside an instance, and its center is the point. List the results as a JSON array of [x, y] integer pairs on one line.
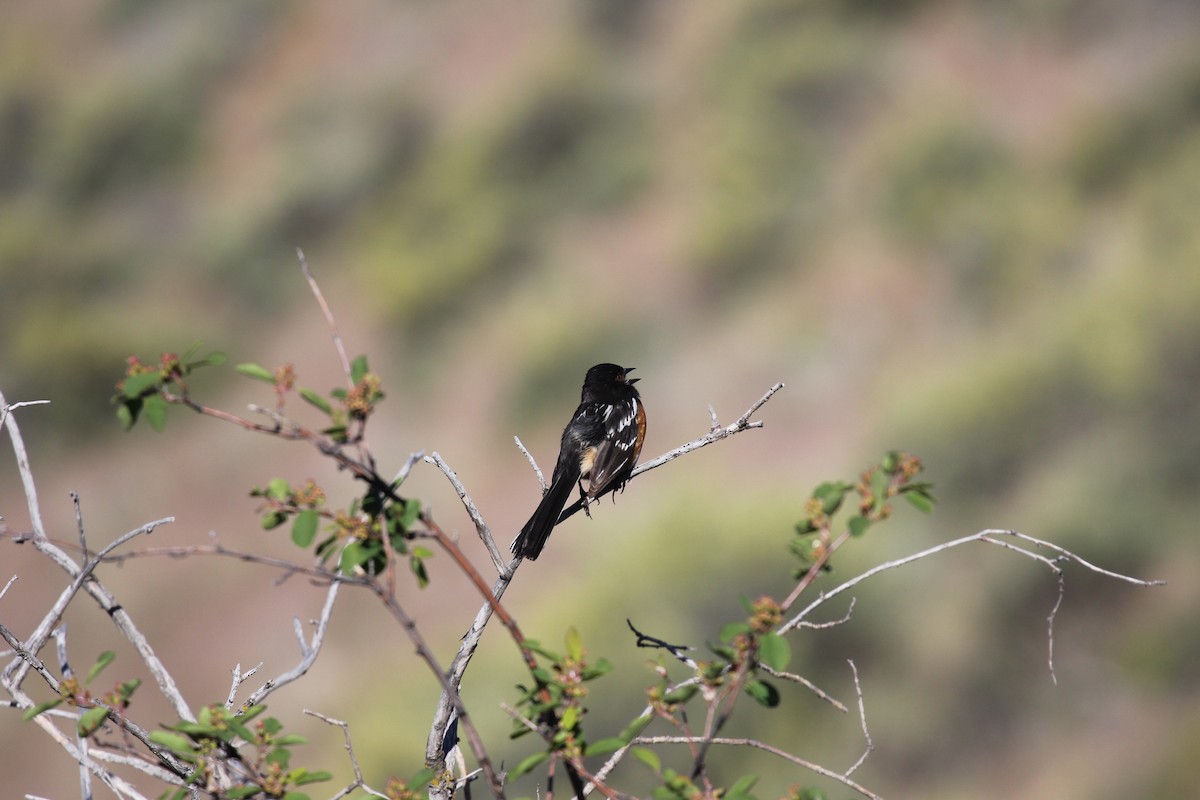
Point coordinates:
[[583, 499]]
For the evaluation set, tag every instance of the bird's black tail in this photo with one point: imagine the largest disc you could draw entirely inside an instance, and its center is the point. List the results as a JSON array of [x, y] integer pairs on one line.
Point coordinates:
[[533, 536]]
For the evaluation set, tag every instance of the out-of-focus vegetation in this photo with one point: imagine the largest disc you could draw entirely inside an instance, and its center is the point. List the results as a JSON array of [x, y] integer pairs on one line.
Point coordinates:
[[968, 229]]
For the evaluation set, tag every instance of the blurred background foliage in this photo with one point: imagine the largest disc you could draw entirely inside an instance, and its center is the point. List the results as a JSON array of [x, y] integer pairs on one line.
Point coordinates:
[[967, 229]]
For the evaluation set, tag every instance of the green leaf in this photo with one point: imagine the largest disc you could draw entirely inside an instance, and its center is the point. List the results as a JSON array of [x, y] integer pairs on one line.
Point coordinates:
[[574, 644], [358, 370], [304, 528], [609, 745], [681, 694], [237, 726], [354, 555], [535, 646], [127, 413], [155, 409], [289, 740], [40, 708], [732, 630], [257, 372], [412, 513], [296, 796], [570, 718], [635, 728], [923, 501], [213, 359], [417, 565], [858, 525], [764, 693], [106, 658], [125, 690], [741, 789], [890, 461], [647, 757], [134, 385], [273, 519], [811, 793], [316, 400], [252, 712], [317, 777], [527, 763], [278, 489], [724, 651], [879, 484], [805, 526], [175, 742], [280, 756], [774, 651], [602, 667], [91, 720], [243, 791], [830, 495]]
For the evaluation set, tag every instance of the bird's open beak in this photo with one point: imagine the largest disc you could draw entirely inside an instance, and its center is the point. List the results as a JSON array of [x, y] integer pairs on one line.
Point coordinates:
[[627, 378]]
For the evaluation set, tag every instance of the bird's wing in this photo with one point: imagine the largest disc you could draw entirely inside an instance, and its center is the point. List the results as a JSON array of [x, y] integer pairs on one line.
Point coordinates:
[[617, 451]]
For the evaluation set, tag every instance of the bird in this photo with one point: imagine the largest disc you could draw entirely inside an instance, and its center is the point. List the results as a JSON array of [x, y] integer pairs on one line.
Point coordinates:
[[600, 447]]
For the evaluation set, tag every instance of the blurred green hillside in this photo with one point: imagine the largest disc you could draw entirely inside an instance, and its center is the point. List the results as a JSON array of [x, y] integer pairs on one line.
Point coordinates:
[[965, 229]]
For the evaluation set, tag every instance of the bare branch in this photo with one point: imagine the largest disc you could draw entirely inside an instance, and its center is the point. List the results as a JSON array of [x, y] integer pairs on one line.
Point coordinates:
[[993, 537], [862, 716], [308, 650], [406, 468], [806, 683], [239, 678], [716, 434], [337, 337], [989, 536], [83, 546], [81, 576], [754, 743], [481, 527], [359, 783], [533, 463], [833, 623], [5, 408]]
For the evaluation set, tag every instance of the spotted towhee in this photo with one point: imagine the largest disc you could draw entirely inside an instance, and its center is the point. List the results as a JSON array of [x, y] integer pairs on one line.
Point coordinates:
[[599, 449]]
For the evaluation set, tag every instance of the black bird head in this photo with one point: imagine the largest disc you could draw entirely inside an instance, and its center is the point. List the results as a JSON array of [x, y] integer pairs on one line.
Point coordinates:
[[605, 377]]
